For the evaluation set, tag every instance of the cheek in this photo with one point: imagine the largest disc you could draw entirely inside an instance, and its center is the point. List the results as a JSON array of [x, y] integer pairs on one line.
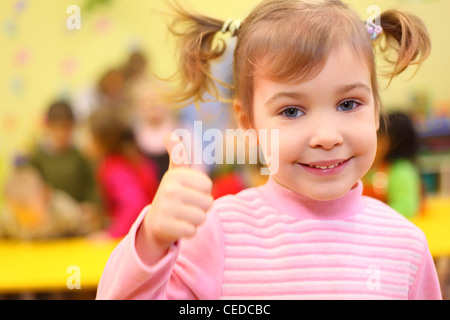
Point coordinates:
[[362, 131], [366, 148], [292, 144]]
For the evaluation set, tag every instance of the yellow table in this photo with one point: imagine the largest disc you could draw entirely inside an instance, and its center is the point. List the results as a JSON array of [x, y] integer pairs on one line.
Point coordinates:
[[48, 265], [435, 223]]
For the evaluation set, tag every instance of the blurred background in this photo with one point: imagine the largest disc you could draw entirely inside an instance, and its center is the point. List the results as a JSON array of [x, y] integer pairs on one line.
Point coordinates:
[[78, 94]]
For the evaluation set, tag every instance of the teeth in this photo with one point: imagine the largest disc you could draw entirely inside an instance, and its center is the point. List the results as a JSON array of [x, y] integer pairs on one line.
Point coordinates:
[[325, 167]]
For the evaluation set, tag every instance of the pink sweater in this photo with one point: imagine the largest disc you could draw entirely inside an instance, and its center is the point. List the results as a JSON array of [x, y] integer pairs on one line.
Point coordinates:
[[272, 243]]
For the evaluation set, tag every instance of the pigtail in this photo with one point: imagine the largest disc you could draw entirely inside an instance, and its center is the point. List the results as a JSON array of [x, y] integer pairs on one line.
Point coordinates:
[[198, 46], [408, 36]]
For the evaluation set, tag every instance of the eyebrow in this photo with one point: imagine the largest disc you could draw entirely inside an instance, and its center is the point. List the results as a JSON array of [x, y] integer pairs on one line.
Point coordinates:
[[349, 87], [299, 95]]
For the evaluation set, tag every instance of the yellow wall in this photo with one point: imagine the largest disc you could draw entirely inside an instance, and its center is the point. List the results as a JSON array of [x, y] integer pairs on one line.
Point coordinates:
[[32, 53]]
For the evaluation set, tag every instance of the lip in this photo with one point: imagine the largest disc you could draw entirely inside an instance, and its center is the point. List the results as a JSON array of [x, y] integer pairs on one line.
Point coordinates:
[[334, 166]]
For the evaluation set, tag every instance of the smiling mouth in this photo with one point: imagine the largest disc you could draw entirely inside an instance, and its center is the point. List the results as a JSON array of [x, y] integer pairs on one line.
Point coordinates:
[[324, 165]]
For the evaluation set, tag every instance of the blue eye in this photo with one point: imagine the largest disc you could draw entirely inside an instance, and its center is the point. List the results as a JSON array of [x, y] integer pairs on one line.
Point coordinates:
[[348, 105], [291, 112]]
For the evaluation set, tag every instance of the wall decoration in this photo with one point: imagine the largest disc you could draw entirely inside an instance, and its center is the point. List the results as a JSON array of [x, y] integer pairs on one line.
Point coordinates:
[[10, 27], [69, 66], [20, 6], [17, 85], [9, 122], [22, 57], [103, 25]]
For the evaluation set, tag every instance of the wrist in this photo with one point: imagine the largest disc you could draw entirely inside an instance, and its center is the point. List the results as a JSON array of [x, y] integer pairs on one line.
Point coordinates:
[[149, 248]]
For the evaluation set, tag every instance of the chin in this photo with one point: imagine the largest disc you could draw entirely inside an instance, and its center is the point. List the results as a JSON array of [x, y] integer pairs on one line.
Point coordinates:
[[319, 190], [325, 193]]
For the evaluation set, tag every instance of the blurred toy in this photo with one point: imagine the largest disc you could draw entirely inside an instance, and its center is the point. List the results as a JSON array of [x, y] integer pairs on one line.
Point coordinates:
[[34, 210]]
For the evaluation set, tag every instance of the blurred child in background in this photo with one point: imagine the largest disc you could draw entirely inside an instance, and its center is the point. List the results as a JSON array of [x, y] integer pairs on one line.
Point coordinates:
[[60, 163], [34, 210], [394, 177], [152, 121], [135, 67], [127, 179], [110, 88], [115, 83]]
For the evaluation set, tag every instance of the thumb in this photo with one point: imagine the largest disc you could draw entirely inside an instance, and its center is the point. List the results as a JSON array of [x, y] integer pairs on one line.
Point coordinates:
[[177, 152]]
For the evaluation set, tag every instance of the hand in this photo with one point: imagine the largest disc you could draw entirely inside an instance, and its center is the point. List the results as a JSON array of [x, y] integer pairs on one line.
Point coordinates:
[[181, 202]]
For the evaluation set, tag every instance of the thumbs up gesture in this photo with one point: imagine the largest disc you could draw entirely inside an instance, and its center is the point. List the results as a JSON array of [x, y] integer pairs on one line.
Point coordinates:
[[181, 202]]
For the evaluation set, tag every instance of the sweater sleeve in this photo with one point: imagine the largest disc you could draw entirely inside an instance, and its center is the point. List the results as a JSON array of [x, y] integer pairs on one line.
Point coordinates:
[[192, 268], [426, 284]]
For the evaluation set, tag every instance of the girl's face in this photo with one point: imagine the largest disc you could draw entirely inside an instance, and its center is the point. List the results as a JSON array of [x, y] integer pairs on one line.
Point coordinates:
[[327, 126], [60, 134]]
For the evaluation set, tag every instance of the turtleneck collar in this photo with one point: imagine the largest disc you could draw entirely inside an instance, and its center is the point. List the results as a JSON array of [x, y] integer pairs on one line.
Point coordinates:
[[290, 202]]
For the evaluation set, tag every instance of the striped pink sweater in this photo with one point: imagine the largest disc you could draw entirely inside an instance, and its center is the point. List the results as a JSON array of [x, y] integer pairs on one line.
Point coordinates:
[[271, 243]]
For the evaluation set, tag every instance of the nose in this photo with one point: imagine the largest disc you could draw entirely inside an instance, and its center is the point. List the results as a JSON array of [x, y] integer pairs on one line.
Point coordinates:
[[326, 135]]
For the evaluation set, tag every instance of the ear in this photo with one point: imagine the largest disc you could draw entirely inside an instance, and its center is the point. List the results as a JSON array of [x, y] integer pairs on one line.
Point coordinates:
[[243, 119]]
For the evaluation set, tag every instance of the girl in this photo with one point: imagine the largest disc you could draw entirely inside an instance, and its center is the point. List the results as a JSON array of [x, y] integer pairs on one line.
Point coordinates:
[[305, 68], [127, 180], [153, 120]]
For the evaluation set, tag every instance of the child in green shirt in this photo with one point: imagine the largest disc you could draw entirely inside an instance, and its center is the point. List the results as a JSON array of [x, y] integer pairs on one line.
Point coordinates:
[[60, 163]]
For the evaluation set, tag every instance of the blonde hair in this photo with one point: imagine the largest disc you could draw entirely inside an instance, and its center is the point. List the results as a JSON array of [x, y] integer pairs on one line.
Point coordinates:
[[290, 39]]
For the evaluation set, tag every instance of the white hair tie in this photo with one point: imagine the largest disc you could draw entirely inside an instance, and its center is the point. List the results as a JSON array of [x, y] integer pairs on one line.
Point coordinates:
[[231, 26]]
